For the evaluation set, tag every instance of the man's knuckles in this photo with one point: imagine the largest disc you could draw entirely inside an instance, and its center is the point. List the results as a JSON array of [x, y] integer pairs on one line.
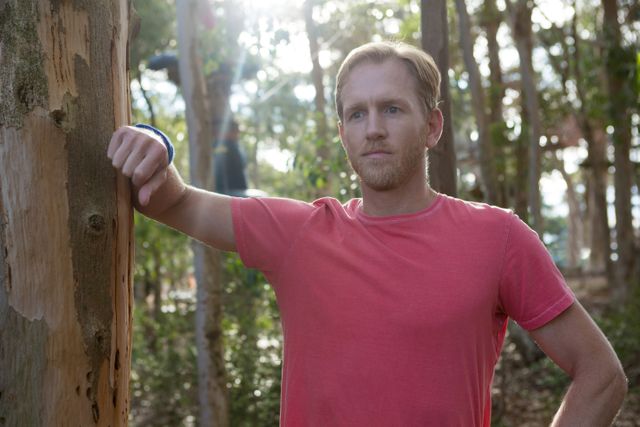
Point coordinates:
[[139, 177]]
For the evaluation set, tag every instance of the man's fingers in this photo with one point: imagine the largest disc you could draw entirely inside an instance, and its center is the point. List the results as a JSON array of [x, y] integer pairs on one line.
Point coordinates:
[[147, 167], [135, 157], [141, 156], [122, 153], [114, 144], [147, 190]]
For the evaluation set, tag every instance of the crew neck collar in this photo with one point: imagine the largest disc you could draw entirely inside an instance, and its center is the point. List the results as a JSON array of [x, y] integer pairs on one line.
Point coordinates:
[[435, 204]]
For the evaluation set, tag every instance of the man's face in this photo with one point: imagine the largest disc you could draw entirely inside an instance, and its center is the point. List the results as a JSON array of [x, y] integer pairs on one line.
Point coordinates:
[[385, 129]]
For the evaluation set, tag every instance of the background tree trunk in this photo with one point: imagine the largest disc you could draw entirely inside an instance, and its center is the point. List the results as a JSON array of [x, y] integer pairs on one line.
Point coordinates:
[[596, 226], [323, 143], [211, 373], [65, 215], [520, 20], [574, 231], [487, 156], [435, 33], [491, 19], [620, 81]]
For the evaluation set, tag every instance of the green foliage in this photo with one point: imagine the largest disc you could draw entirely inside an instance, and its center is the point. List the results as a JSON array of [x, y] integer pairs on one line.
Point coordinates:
[[157, 30], [253, 346], [622, 327], [163, 371]]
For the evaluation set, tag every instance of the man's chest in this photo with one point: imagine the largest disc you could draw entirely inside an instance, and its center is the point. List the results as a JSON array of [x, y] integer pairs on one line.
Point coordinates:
[[406, 282]]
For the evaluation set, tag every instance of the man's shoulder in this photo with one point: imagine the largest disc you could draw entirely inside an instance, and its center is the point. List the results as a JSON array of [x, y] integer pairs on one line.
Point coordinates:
[[476, 210], [282, 206], [478, 213]]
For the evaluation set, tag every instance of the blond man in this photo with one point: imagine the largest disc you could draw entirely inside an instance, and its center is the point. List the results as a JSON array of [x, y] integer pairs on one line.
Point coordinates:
[[394, 306]]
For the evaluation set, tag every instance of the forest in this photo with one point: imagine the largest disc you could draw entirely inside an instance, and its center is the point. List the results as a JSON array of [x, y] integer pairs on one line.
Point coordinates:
[[542, 116]]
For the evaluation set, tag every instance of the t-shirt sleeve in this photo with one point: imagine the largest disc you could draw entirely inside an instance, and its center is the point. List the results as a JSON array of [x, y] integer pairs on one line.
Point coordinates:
[[532, 289], [265, 229]]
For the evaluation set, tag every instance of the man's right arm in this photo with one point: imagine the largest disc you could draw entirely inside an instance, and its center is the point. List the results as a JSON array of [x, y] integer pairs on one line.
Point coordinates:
[[161, 194]]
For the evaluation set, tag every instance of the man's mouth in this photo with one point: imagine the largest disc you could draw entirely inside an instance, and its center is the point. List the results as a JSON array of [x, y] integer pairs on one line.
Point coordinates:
[[376, 154]]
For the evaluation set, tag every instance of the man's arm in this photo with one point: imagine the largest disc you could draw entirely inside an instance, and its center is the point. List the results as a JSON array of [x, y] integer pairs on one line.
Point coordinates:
[[598, 387], [161, 194]]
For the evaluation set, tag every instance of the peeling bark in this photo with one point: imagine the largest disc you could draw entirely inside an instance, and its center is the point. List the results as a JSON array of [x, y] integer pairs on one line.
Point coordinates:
[[65, 306]]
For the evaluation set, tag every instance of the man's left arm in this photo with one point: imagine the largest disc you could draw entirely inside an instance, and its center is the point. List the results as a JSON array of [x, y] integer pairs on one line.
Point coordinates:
[[598, 387]]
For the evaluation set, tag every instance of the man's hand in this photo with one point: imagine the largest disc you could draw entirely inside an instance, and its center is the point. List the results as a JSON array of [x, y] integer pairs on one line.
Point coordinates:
[[142, 156], [162, 195]]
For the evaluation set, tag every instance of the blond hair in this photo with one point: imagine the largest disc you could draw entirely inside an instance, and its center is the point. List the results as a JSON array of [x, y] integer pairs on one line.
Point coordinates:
[[419, 63]]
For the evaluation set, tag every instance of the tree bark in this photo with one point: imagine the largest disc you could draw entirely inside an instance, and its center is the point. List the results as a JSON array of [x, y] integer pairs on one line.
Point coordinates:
[[212, 391], [487, 156], [597, 224], [490, 21], [323, 142], [65, 215], [435, 32], [574, 231], [520, 21], [621, 96]]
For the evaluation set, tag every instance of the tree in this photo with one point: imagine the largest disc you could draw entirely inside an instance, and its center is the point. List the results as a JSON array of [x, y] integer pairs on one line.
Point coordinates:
[[490, 20], [211, 372], [487, 156], [65, 215], [442, 158], [323, 143], [620, 67], [520, 21]]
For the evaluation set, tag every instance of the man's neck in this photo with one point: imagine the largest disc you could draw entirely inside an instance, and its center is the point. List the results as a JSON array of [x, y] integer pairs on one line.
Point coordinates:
[[397, 201]]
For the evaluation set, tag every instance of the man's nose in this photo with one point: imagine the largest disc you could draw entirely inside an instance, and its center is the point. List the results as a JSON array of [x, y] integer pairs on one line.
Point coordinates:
[[375, 127]]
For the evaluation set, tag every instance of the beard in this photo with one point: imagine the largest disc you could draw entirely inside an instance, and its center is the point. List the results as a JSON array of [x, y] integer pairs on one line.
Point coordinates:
[[388, 174]]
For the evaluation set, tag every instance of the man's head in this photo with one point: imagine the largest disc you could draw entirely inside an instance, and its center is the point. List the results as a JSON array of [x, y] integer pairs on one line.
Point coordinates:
[[419, 64], [386, 96]]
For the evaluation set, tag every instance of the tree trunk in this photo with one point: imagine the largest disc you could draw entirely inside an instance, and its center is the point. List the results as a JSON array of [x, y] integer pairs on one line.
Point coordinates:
[[487, 155], [520, 20], [323, 142], [521, 189], [212, 391], [491, 19], [596, 230], [442, 158], [574, 231], [65, 215], [600, 236], [621, 97]]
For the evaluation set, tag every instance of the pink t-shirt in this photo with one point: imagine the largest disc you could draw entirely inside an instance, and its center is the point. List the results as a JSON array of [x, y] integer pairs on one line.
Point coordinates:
[[398, 320]]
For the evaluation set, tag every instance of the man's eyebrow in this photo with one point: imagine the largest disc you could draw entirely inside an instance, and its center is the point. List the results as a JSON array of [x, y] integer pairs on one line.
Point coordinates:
[[354, 106], [382, 101], [393, 100]]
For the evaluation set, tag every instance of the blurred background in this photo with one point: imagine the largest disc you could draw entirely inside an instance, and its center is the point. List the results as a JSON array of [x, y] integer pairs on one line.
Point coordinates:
[[543, 102]]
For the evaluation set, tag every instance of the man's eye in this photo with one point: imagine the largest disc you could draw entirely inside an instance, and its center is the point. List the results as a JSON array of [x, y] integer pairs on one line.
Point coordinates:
[[393, 109], [356, 115]]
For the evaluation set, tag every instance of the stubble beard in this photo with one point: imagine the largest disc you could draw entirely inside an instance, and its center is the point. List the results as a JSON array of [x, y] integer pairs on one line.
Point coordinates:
[[389, 174]]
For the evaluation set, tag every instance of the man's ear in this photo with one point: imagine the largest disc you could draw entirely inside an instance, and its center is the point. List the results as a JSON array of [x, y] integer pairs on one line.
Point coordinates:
[[341, 131], [434, 127]]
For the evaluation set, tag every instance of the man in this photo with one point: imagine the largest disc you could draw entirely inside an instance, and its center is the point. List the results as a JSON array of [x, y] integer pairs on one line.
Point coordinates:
[[394, 307]]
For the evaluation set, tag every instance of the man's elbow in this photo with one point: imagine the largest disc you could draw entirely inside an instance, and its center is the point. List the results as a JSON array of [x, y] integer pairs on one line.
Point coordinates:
[[621, 383], [617, 384]]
